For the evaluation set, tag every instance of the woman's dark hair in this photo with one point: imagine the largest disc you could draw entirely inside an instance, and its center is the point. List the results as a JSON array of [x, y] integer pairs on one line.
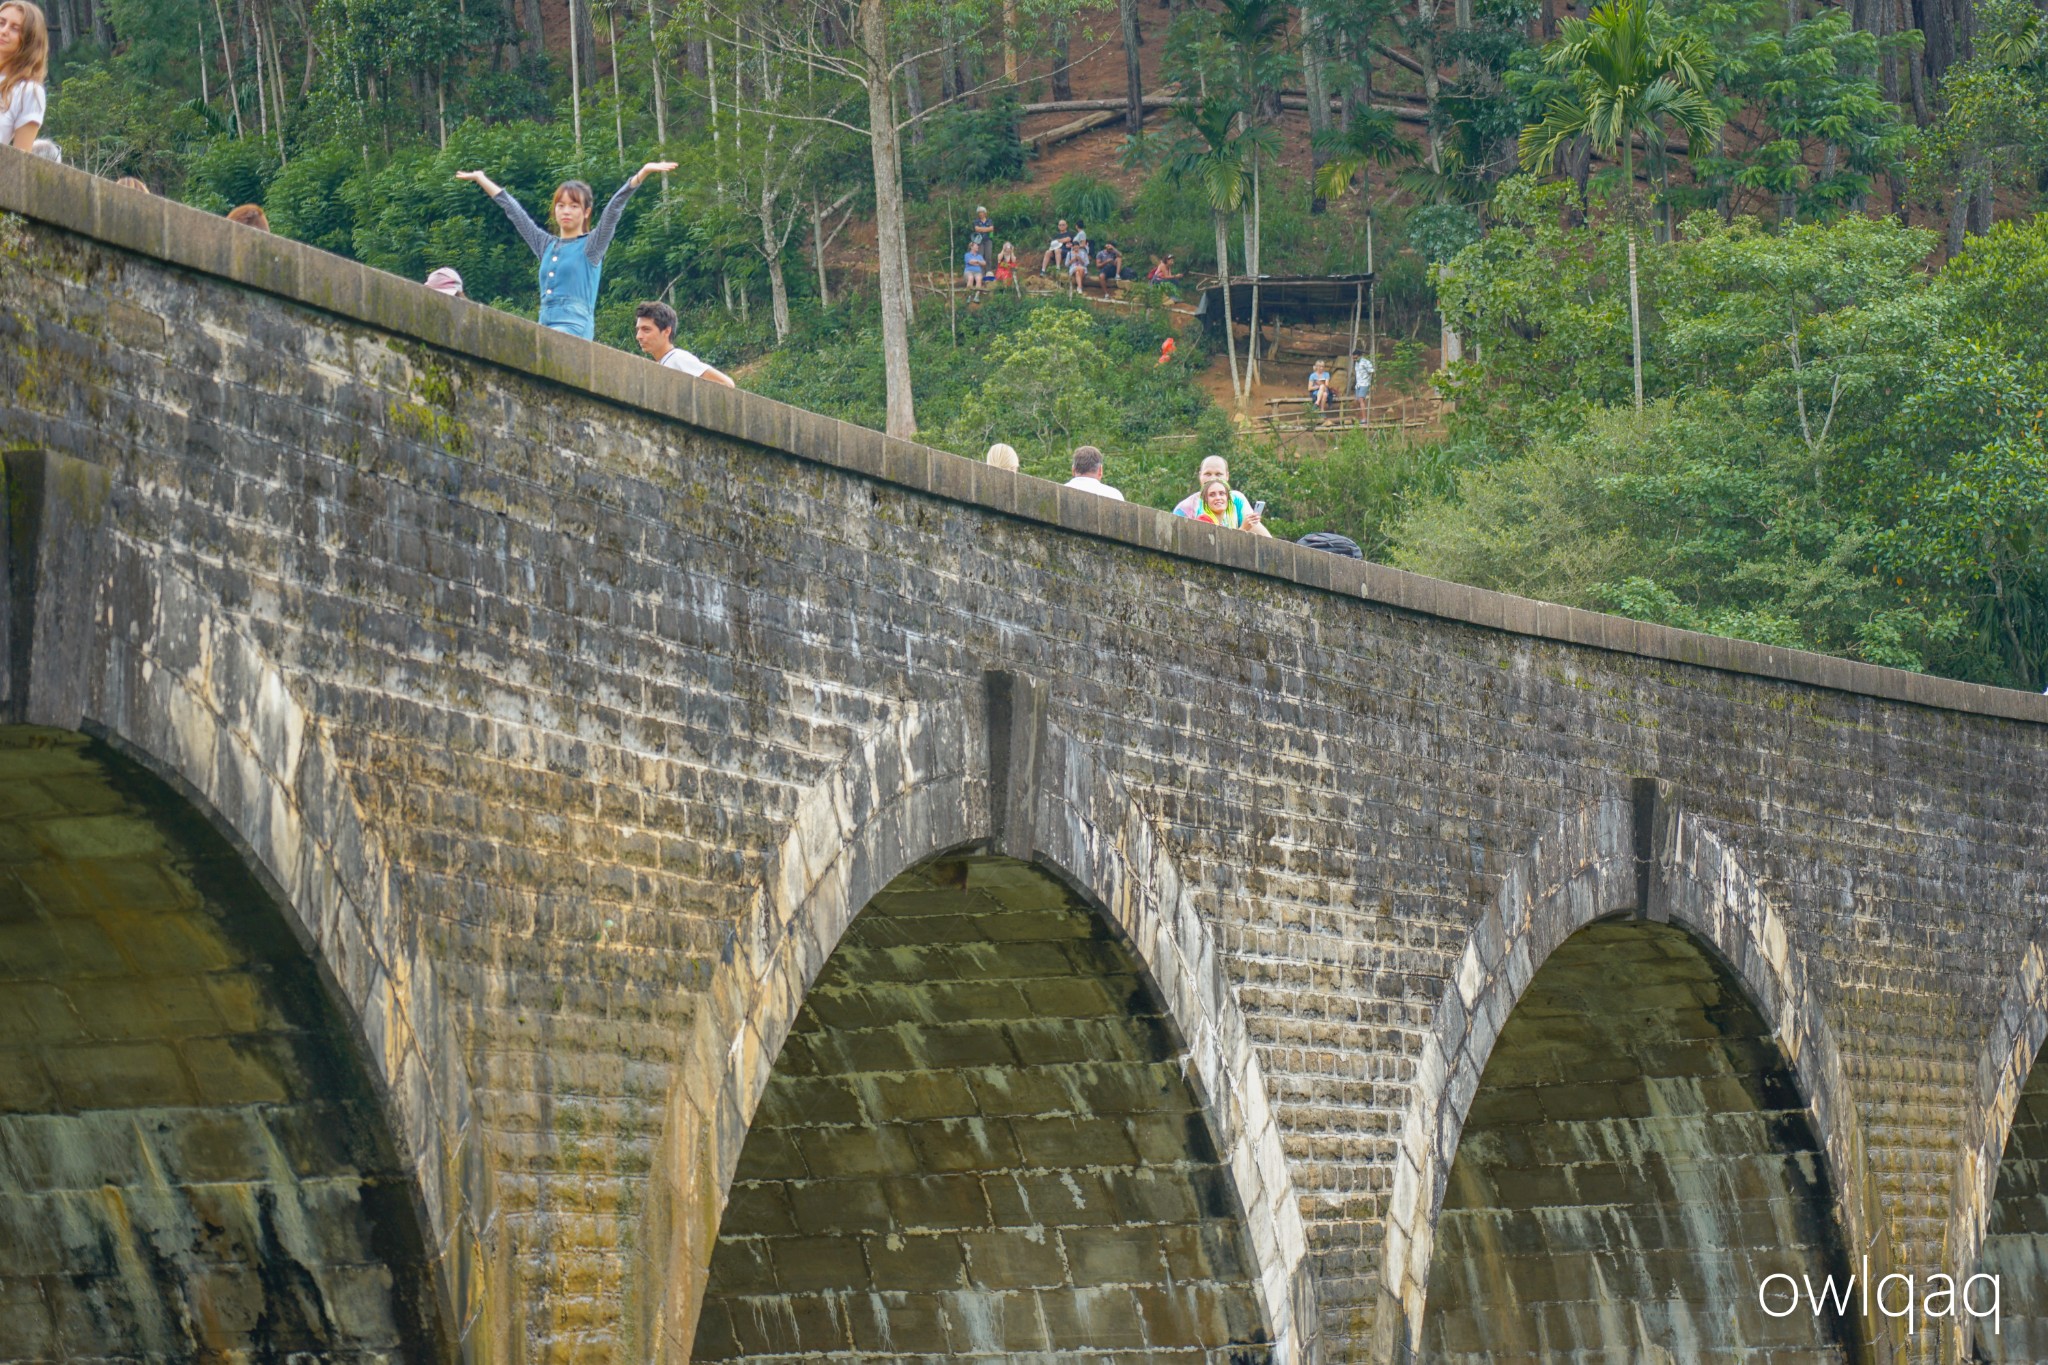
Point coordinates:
[[577, 190], [660, 314]]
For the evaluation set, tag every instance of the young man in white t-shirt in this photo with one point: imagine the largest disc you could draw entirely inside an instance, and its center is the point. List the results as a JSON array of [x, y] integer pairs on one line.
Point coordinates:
[[654, 327]]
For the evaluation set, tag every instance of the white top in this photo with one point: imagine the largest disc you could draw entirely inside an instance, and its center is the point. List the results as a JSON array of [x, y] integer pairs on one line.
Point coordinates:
[[1088, 483], [1361, 374], [27, 104], [680, 359]]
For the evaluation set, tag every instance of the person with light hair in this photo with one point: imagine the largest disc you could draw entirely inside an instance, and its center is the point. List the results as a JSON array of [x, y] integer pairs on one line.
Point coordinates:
[[1003, 456], [24, 73]]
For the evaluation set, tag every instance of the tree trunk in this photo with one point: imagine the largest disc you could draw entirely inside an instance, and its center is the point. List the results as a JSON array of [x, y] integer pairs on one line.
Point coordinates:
[[575, 79], [1134, 76], [1317, 92], [586, 36], [1229, 323], [227, 54], [1980, 209], [1062, 58], [531, 43], [818, 255], [913, 102], [892, 250], [1635, 320], [660, 86], [1010, 41], [1251, 267], [1958, 220], [771, 251], [695, 59], [1635, 308]]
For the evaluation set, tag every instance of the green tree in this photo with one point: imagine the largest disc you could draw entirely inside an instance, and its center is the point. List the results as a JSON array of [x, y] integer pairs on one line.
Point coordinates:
[[1630, 74], [1972, 530], [1993, 129], [1044, 420], [1212, 153]]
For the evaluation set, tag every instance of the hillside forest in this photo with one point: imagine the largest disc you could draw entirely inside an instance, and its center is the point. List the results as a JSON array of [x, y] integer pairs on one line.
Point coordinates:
[[1727, 314]]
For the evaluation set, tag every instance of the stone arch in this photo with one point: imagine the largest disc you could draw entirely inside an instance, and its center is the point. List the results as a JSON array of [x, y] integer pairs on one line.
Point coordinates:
[[916, 787], [1595, 864], [1998, 1179], [194, 1159], [175, 687]]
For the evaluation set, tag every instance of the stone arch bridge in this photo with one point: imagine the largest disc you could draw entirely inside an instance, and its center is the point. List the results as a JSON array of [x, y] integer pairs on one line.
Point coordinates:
[[508, 855]]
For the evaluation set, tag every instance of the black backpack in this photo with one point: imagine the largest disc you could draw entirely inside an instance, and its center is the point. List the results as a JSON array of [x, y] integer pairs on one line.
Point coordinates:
[[1333, 543]]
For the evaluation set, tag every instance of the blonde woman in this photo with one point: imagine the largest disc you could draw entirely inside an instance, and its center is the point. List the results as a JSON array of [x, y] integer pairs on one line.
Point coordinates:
[[24, 69], [1003, 456]]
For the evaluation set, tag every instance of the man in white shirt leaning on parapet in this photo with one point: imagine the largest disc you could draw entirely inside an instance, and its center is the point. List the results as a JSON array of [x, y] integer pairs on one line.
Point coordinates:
[[654, 327]]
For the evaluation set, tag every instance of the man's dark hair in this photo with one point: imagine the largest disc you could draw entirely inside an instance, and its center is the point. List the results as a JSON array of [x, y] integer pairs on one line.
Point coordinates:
[[660, 314], [1088, 460]]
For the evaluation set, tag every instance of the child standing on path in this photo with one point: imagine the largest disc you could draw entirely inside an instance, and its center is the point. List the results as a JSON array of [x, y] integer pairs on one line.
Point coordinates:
[[571, 263]]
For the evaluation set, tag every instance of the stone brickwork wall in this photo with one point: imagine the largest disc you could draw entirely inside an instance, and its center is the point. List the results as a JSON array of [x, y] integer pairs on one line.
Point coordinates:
[[979, 1142], [575, 710], [2016, 1237], [1637, 1160], [190, 1158]]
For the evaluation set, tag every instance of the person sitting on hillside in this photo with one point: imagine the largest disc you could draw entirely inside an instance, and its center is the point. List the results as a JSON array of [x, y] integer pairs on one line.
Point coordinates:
[[1110, 262], [1225, 506], [1006, 268], [1056, 249], [977, 265], [654, 327], [1077, 261], [571, 263], [1162, 271], [1319, 386]]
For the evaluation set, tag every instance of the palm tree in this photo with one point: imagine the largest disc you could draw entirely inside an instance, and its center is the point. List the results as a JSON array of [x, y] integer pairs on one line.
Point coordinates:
[[1373, 139], [1628, 74], [1213, 155], [1253, 31]]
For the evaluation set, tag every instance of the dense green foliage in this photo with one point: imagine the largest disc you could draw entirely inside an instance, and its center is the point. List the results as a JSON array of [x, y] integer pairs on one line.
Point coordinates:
[[1846, 453]]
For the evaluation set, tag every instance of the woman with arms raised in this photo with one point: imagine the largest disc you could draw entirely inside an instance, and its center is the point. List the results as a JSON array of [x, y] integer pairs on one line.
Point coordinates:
[[572, 258], [24, 66]]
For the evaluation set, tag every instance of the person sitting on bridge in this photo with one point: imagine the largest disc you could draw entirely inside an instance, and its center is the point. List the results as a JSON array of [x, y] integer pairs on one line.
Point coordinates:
[[24, 71], [1225, 506], [1088, 474], [654, 327], [572, 264], [1212, 467]]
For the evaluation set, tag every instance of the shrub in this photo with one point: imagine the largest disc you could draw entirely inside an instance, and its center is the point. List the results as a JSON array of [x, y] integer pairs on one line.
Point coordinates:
[[1082, 198]]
